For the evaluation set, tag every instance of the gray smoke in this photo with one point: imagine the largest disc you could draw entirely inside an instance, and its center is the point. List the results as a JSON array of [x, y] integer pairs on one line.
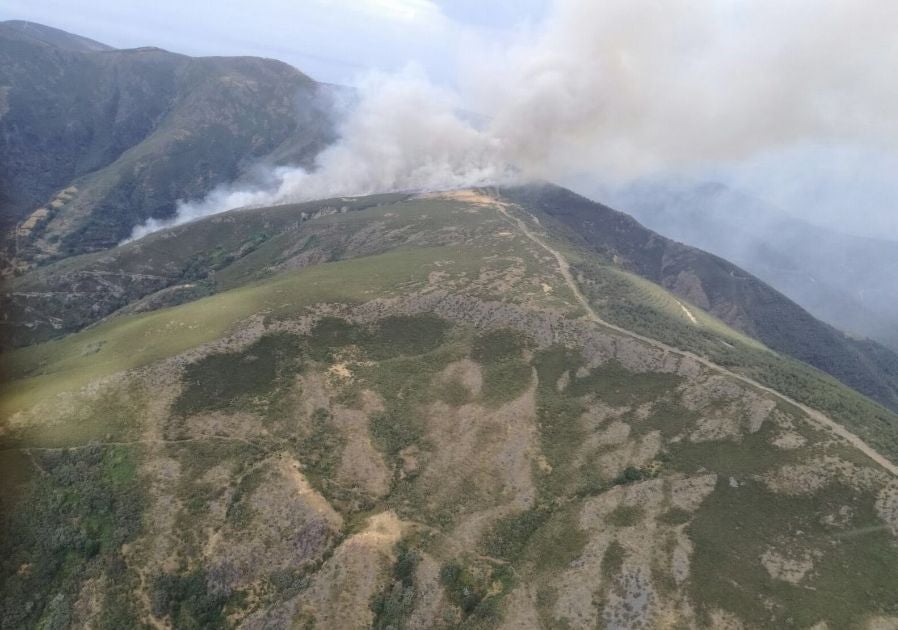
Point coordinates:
[[624, 88]]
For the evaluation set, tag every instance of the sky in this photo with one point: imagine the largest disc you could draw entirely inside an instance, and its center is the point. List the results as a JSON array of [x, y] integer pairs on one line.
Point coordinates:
[[793, 102], [331, 40]]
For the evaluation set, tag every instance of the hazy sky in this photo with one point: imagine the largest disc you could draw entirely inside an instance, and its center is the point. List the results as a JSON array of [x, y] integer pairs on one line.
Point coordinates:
[[332, 40], [791, 101]]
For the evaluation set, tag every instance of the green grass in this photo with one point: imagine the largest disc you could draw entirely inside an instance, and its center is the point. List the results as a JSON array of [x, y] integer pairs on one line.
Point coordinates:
[[625, 516], [613, 559], [71, 521], [239, 379], [636, 304], [114, 413], [39, 372], [855, 576], [640, 291]]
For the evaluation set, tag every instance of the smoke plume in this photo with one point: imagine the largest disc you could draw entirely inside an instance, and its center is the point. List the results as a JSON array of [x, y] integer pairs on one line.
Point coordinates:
[[624, 88]]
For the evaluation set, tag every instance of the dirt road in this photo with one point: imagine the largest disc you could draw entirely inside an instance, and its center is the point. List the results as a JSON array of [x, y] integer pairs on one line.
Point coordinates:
[[815, 415]]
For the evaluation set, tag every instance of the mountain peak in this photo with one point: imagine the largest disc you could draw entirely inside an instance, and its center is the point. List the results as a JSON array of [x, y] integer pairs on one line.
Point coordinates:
[[55, 37]]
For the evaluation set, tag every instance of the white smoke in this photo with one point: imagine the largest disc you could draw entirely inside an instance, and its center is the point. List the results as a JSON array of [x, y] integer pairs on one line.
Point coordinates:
[[621, 87], [638, 85], [404, 134]]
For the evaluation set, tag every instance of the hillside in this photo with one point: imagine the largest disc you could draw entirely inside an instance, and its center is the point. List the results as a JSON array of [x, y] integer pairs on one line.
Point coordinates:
[[219, 253], [33, 32], [842, 279], [721, 288], [95, 141], [430, 411]]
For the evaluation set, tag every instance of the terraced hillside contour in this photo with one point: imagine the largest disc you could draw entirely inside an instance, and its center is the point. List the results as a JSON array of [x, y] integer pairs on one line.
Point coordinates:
[[441, 432]]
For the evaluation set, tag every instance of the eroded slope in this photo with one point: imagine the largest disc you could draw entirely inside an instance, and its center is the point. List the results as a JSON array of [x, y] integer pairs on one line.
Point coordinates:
[[431, 437]]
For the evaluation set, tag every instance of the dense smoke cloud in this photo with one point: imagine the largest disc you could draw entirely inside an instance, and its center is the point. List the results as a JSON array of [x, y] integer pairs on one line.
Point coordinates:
[[632, 86], [619, 87], [403, 134]]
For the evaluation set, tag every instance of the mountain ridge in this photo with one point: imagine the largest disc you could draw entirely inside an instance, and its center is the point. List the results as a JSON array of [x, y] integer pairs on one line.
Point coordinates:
[[726, 291], [842, 279], [437, 427], [509, 408], [54, 37], [97, 142], [703, 280]]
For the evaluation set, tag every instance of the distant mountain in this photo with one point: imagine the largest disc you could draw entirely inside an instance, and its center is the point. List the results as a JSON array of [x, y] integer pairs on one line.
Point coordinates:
[[31, 31], [848, 281], [95, 141]]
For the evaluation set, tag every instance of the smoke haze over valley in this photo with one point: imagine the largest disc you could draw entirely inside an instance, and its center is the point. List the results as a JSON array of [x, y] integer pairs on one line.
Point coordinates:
[[758, 93]]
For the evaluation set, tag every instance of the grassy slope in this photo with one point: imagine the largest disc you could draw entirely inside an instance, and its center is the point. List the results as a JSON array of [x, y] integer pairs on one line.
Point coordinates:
[[179, 126], [136, 340], [625, 299], [400, 360], [651, 311], [629, 300], [132, 340], [736, 297], [223, 252]]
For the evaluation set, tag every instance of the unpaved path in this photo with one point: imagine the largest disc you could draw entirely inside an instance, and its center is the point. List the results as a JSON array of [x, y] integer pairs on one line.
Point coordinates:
[[564, 268], [815, 415]]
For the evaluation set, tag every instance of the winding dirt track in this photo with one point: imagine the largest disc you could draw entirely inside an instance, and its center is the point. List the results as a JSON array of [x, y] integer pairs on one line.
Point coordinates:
[[815, 415], [564, 268]]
